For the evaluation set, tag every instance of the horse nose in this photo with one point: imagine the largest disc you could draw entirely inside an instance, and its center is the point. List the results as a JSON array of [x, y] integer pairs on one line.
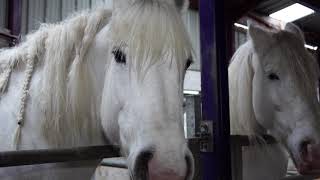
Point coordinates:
[[310, 158], [190, 165], [165, 171], [140, 170], [148, 165]]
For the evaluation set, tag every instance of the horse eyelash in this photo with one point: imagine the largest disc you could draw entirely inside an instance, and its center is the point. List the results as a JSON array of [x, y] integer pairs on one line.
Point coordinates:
[[189, 63], [273, 76], [119, 56]]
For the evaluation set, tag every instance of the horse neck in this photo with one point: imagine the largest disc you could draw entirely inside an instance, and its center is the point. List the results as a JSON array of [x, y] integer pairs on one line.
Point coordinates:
[[73, 117], [242, 117]]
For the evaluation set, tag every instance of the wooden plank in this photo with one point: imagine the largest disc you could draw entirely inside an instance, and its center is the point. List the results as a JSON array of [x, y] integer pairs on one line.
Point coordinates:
[[29, 157], [300, 178], [245, 141], [53, 11], [115, 162], [236, 159]]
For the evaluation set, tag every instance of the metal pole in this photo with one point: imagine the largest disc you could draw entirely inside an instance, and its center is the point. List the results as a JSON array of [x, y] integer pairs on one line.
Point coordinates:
[[29, 157], [214, 85], [15, 18]]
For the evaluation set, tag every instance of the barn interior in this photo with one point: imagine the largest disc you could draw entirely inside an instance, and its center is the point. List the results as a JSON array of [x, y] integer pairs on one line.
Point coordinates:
[[20, 17]]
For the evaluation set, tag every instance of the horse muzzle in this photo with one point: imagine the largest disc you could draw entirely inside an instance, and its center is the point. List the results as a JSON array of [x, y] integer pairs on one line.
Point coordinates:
[[147, 167], [310, 159]]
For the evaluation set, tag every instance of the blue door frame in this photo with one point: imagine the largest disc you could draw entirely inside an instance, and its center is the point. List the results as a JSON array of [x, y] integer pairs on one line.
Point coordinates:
[[216, 165]]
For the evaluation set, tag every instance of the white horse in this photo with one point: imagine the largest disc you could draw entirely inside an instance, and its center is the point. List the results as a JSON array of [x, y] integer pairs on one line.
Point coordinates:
[[273, 90], [100, 78]]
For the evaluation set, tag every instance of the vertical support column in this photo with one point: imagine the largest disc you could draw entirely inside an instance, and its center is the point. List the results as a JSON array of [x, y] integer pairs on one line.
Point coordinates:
[[214, 85], [14, 18]]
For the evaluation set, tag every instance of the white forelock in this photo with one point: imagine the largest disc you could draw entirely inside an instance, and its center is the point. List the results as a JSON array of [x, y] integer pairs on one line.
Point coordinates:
[[148, 32]]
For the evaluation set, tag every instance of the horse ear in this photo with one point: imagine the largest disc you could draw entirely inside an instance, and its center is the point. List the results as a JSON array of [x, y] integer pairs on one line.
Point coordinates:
[[292, 28], [182, 5], [261, 38]]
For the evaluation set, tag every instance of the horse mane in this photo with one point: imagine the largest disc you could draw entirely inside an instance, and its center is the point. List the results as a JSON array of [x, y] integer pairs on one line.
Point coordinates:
[[148, 31], [65, 97], [300, 63], [242, 118]]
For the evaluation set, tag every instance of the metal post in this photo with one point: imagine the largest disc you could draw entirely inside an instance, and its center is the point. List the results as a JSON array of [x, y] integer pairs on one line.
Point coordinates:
[[15, 18], [214, 85]]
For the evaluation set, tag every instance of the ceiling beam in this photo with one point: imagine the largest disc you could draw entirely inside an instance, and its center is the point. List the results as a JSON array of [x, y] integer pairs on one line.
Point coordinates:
[[235, 9], [314, 4], [194, 4]]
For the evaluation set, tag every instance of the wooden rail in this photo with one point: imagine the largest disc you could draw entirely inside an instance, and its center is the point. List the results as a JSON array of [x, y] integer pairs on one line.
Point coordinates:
[[29, 157], [9, 36]]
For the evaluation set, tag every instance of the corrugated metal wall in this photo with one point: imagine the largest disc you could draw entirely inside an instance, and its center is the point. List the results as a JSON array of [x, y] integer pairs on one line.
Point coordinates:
[[35, 12], [240, 37], [3, 13], [191, 20]]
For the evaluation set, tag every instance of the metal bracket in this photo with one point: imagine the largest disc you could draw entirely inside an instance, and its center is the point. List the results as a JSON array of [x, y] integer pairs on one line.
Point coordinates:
[[205, 136]]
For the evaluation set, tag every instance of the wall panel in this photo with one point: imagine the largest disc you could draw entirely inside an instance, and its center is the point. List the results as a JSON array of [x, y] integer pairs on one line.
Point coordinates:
[[191, 20], [83, 4], [53, 11], [68, 6], [3, 13], [36, 14]]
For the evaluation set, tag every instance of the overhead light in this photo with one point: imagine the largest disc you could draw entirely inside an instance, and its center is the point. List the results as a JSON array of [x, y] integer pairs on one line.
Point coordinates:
[[191, 92], [311, 47], [292, 13], [241, 26]]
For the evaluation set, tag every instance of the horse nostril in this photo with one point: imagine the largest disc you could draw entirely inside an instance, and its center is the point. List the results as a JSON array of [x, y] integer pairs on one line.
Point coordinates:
[[140, 169], [189, 163], [303, 147]]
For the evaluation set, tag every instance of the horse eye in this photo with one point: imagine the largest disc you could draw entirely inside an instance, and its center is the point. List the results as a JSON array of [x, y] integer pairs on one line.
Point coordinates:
[[119, 56], [189, 62], [273, 76]]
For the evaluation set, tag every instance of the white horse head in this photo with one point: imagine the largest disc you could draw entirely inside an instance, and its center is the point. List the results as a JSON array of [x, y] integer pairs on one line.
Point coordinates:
[[143, 91], [273, 89], [97, 74]]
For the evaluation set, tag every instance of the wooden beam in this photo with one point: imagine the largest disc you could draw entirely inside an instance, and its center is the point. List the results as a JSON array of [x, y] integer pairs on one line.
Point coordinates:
[[29, 157], [194, 4], [14, 18], [235, 9], [314, 4], [9, 36]]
